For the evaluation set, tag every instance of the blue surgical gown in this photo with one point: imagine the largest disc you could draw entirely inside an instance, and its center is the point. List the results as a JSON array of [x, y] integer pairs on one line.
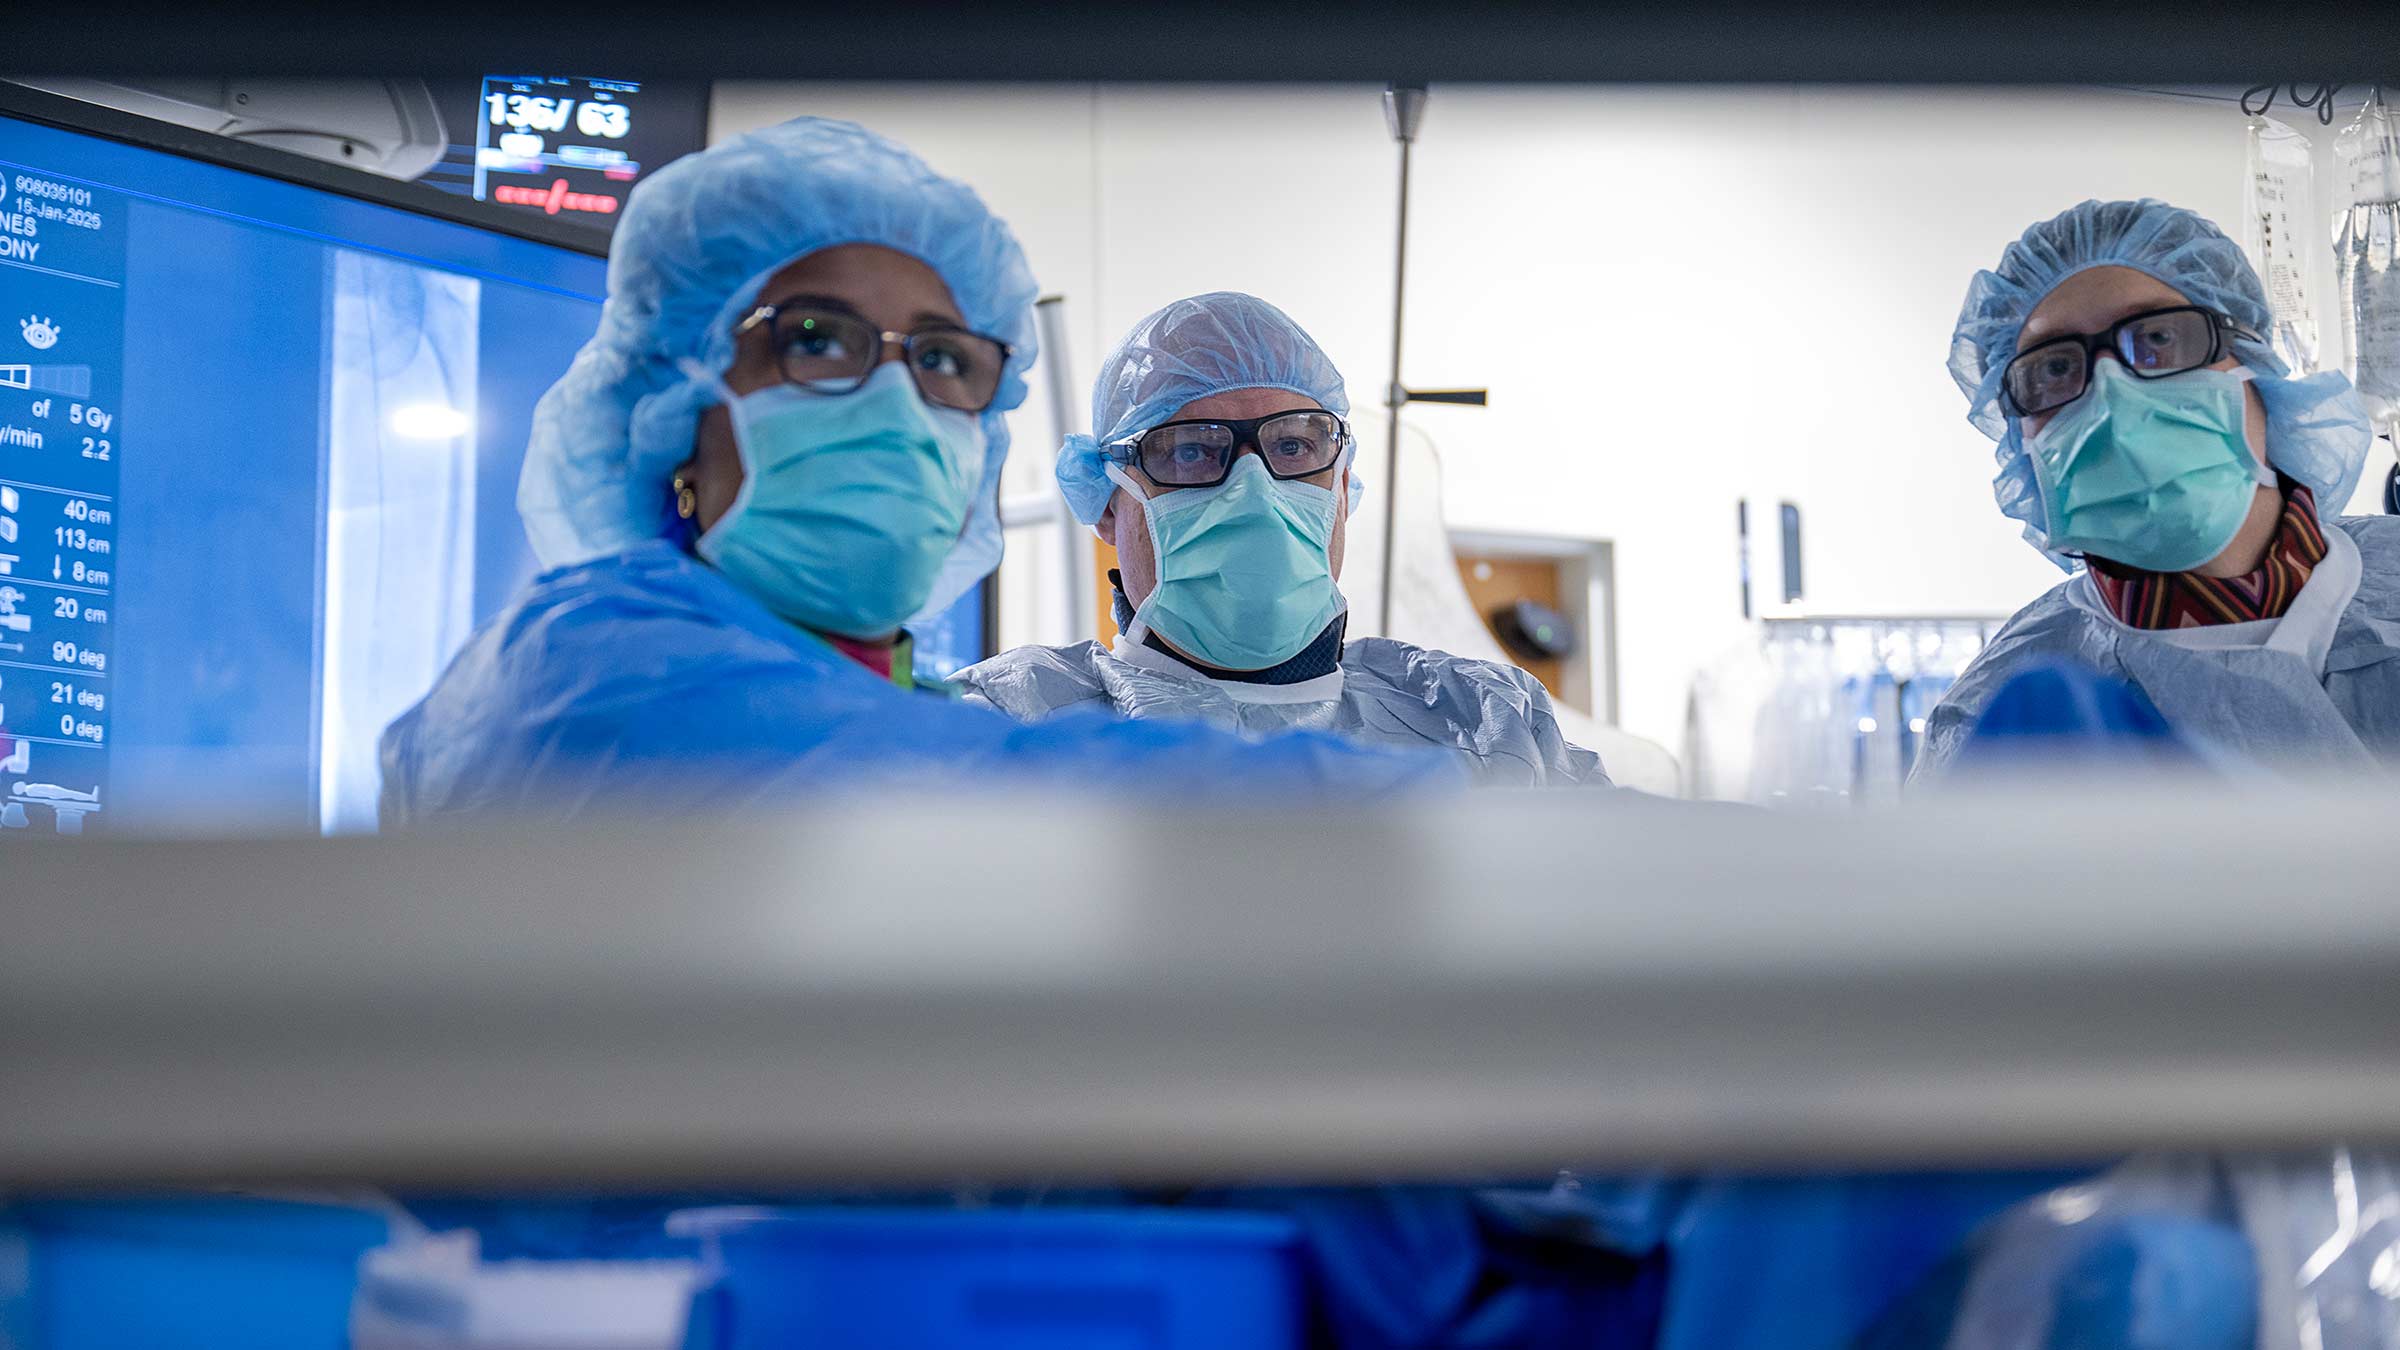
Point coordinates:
[[2319, 687], [646, 682]]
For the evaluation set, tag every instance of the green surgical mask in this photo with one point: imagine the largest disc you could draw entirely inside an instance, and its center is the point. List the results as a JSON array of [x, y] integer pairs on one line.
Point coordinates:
[[849, 503], [1245, 573], [2154, 474]]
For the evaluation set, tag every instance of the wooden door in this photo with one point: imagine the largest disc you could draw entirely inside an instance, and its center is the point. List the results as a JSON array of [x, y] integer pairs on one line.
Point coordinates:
[[1493, 584], [1104, 618]]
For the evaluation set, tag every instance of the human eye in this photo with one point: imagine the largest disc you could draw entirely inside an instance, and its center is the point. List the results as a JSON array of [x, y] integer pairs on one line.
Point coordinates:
[[943, 355], [821, 337]]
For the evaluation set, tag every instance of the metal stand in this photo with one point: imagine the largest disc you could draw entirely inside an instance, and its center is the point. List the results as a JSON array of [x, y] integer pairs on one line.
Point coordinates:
[[1076, 572], [1403, 112]]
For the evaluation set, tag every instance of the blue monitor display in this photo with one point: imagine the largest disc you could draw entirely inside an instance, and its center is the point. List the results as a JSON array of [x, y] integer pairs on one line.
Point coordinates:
[[259, 443]]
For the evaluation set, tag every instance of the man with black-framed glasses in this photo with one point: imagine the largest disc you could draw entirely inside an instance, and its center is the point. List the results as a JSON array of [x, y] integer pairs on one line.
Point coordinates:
[[2151, 439], [1223, 474]]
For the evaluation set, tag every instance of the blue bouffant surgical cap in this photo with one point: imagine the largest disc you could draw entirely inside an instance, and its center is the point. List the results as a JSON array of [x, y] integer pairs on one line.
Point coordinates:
[[696, 243], [1189, 350], [2318, 431]]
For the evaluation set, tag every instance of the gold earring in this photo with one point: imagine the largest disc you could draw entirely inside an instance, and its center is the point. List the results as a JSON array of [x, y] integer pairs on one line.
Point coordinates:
[[687, 502]]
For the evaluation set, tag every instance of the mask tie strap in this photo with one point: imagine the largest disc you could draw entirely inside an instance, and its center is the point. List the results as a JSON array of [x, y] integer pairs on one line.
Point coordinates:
[[706, 542], [1138, 628], [707, 379], [2261, 471]]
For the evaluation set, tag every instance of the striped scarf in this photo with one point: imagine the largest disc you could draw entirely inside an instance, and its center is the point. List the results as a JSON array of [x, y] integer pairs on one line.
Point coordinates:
[[2168, 600]]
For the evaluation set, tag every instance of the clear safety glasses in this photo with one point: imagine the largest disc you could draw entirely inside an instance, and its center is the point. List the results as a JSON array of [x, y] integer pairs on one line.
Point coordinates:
[[830, 352], [1291, 444], [2153, 346]]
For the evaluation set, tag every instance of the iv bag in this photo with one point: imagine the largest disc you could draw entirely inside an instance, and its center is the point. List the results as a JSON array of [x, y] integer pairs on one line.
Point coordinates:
[[2281, 197], [2366, 273]]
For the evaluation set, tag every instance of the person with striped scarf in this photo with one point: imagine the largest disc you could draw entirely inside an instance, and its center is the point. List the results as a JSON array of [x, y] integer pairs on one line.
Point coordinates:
[[2150, 439]]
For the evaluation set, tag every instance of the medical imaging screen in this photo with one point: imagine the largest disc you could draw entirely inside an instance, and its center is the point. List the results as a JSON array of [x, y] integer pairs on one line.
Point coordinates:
[[258, 456]]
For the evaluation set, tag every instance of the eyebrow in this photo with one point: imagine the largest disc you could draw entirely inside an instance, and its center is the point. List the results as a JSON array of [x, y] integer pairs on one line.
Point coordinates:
[[816, 302], [2027, 342], [925, 318], [2029, 338]]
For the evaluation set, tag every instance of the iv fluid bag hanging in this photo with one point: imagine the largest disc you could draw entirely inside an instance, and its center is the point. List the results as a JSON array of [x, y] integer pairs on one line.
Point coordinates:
[[2282, 231], [2365, 270]]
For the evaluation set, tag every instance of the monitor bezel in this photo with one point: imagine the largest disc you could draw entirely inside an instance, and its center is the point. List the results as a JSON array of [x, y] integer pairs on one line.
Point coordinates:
[[93, 119]]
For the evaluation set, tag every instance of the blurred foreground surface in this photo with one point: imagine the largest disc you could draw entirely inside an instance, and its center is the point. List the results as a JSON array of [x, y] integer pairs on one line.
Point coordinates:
[[918, 991]]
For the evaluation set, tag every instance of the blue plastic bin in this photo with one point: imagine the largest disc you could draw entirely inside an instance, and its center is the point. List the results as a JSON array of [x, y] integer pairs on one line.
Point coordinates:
[[200, 1272], [997, 1280]]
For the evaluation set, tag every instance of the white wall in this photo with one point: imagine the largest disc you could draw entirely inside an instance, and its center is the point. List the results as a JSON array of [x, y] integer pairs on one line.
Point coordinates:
[[1678, 297]]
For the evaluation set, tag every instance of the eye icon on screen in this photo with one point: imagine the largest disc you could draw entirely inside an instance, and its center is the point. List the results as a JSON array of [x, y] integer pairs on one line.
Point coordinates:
[[40, 334]]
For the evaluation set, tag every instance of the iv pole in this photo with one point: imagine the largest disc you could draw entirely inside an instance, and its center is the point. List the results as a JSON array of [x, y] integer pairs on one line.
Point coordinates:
[[1403, 113], [1051, 312]]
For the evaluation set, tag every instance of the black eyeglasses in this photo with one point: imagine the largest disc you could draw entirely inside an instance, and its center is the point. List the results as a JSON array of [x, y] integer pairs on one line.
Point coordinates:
[[2153, 346], [1292, 444], [830, 352]]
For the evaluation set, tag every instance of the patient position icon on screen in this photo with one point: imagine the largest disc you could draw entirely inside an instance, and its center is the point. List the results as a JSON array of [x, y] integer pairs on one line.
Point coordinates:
[[67, 805]]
